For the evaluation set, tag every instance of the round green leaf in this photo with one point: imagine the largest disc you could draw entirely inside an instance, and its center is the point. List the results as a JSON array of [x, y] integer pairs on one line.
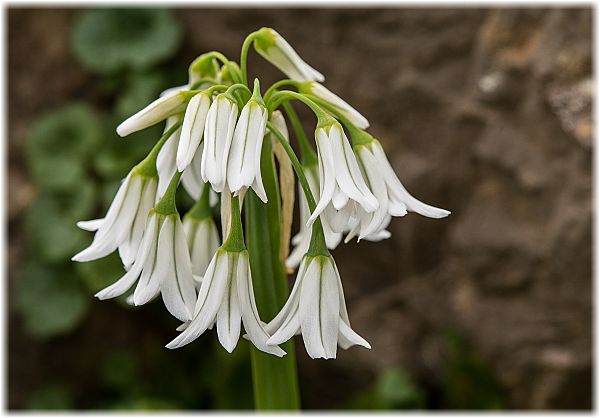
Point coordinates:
[[59, 144], [107, 40], [50, 300], [50, 223]]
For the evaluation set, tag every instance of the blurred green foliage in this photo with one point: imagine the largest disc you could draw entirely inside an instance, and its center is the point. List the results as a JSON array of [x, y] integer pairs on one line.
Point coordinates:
[[77, 162], [109, 40], [468, 382], [393, 389]]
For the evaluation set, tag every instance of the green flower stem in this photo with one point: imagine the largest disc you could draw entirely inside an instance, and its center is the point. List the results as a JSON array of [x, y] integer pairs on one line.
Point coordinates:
[[282, 96], [271, 90], [147, 166], [318, 245], [217, 55], [201, 208], [242, 92], [308, 156], [202, 81], [244, 56], [235, 240], [275, 379], [167, 205], [358, 136]]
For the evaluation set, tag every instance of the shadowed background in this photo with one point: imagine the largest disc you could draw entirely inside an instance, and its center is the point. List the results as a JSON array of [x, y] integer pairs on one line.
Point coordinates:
[[483, 112]]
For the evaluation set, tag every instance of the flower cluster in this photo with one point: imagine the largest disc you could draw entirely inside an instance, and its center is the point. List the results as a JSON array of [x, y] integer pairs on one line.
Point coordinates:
[[219, 130]]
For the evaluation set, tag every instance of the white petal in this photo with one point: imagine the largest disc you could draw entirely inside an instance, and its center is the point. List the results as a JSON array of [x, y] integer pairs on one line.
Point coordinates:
[[326, 174], [191, 179], [377, 185], [211, 294], [158, 110], [192, 129], [329, 309], [292, 300], [252, 323], [104, 241], [399, 193], [229, 318], [348, 338], [148, 287], [91, 225], [174, 271], [124, 283], [347, 172], [128, 249], [166, 164], [310, 311], [257, 184]]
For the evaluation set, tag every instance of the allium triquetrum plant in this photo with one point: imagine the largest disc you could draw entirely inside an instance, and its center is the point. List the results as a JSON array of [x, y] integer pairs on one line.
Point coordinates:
[[222, 135]]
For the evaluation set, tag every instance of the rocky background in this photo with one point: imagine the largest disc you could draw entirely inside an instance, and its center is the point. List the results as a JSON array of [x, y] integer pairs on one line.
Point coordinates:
[[485, 112]]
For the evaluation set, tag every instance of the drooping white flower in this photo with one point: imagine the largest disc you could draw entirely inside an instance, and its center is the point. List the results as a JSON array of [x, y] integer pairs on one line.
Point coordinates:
[[393, 198], [316, 307], [169, 104], [218, 134], [226, 298], [301, 240], [339, 174], [202, 238], [123, 225], [243, 163], [192, 129], [275, 49], [163, 266], [320, 91], [165, 160]]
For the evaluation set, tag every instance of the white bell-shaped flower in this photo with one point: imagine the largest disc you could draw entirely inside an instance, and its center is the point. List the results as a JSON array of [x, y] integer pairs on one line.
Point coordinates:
[[169, 104], [163, 266], [226, 298], [218, 134], [339, 174], [317, 309], [275, 49], [393, 198], [243, 163], [192, 129], [124, 223]]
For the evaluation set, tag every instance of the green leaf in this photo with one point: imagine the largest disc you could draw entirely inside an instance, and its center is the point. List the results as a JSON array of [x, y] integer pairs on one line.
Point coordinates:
[[49, 299], [50, 223], [397, 391], [119, 369], [51, 397], [108, 40], [101, 273], [59, 144], [118, 155], [468, 382]]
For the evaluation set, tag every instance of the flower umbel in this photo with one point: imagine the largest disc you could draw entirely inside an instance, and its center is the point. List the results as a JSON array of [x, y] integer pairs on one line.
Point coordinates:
[[213, 143]]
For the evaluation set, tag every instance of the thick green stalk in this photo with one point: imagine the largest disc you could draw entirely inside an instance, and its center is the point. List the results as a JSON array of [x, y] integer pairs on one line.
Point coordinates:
[[275, 379]]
